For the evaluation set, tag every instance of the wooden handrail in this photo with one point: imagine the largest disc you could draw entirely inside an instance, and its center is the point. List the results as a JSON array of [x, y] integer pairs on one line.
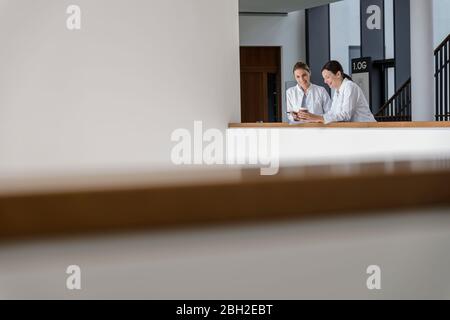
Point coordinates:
[[346, 125], [295, 193]]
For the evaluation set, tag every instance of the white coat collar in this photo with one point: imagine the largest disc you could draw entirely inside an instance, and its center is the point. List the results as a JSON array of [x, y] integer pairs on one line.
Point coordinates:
[[343, 85], [309, 89]]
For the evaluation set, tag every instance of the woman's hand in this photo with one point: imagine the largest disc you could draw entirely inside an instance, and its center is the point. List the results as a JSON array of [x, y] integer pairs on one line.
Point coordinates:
[[295, 116], [306, 116]]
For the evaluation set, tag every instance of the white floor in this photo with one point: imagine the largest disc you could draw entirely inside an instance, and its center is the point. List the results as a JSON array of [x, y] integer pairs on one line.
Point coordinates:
[[290, 260]]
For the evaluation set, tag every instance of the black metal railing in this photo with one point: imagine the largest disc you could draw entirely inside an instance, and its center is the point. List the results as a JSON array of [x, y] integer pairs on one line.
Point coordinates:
[[441, 77], [397, 108]]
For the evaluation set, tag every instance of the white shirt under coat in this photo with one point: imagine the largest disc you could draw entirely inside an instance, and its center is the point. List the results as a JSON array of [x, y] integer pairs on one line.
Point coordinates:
[[349, 105], [318, 100]]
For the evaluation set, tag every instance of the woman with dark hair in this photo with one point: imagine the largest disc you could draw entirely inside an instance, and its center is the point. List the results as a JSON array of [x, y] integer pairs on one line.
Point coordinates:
[[306, 95], [349, 103]]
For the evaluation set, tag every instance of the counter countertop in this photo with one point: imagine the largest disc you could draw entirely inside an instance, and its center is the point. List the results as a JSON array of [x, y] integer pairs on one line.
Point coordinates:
[[433, 124]]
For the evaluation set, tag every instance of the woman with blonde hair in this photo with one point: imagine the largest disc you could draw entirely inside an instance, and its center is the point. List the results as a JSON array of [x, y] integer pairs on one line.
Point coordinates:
[[305, 95]]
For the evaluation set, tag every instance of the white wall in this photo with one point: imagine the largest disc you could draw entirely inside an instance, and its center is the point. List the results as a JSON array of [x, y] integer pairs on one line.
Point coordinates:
[[389, 42], [389, 29], [285, 31], [110, 95], [294, 146], [344, 30], [441, 20]]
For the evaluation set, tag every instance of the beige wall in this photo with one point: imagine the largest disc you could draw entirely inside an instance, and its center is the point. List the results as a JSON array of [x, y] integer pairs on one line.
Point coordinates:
[[109, 95]]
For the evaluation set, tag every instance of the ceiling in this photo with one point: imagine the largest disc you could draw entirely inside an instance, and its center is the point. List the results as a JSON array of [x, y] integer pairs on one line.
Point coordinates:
[[279, 6]]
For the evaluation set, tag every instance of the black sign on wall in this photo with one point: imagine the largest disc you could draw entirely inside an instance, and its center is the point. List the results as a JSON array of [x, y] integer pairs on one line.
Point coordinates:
[[373, 45], [361, 69]]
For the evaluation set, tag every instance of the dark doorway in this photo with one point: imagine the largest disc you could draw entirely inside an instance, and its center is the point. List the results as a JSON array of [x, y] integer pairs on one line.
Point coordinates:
[[260, 84]]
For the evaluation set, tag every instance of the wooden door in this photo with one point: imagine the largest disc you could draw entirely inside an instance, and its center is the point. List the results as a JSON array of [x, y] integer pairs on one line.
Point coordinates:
[[260, 84]]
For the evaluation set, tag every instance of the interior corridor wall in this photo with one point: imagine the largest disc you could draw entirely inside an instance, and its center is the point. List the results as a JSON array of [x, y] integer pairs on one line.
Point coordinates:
[[344, 30], [108, 96]]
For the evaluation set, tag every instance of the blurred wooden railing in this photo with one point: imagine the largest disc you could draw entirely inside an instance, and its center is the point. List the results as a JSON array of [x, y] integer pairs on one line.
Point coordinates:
[[68, 208]]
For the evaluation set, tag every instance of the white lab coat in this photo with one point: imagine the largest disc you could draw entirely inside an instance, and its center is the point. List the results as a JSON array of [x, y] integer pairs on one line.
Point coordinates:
[[318, 100], [349, 105]]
